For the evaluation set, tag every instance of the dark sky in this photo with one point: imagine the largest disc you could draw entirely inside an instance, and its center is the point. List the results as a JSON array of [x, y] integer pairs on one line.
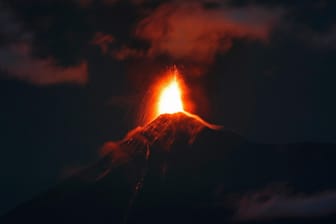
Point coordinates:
[[73, 75]]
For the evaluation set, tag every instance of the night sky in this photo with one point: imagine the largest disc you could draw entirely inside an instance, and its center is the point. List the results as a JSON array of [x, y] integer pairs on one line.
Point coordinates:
[[75, 74]]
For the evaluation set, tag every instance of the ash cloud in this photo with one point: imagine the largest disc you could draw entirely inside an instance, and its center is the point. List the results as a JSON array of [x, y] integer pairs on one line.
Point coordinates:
[[311, 38], [103, 41], [18, 62], [195, 32], [259, 206]]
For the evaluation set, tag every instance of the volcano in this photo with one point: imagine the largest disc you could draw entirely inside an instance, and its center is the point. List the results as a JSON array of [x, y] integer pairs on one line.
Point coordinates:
[[179, 169]]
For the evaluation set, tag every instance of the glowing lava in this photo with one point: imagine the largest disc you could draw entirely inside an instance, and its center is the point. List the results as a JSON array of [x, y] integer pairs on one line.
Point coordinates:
[[170, 96], [170, 100]]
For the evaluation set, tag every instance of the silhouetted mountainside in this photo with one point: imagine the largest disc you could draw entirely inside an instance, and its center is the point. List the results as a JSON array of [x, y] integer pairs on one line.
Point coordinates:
[[179, 170]]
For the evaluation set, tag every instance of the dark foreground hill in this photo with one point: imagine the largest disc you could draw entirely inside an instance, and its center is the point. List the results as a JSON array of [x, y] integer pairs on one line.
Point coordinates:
[[179, 170]]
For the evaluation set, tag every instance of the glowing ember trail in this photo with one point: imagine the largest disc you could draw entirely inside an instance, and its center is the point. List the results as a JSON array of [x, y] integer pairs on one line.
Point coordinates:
[[170, 100]]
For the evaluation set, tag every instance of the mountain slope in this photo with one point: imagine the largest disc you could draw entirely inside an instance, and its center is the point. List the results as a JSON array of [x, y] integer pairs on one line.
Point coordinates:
[[179, 169]]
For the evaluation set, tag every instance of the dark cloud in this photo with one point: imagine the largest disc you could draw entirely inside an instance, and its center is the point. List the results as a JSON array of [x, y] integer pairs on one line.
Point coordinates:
[[193, 32], [125, 52], [18, 61], [103, 41], [326, 39], [84, 3], [88, 3], [312, 38], [274, 206]]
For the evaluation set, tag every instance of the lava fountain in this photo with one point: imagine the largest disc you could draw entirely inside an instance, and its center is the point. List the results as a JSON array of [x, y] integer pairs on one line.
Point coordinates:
[[170, 100]]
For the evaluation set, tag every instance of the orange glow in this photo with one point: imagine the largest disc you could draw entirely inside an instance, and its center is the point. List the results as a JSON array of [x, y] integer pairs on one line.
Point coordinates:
[[169, 95], [170, 100]]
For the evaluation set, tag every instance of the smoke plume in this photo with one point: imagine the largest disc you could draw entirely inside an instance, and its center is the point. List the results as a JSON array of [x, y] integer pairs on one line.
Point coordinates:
[[190, 32], [275, 206], [17, 59]]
